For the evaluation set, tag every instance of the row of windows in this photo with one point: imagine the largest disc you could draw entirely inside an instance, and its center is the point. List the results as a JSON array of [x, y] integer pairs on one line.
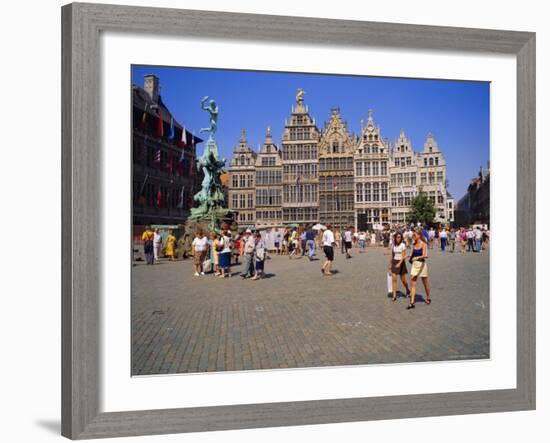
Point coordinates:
[[301, 214], [338, 183], [375, 215], [371, 192], [168, 161], [301, 133], [242, 201], [268, 197], [431, 161], [246, 217], [402, 161], [243, 160], [336, 164], [296, 171], [300, 151], [370, 149], [269, 215], [403, 178], [269, 177], [242, 180], [269, 161], [306, 193], [367, 168], [430, 178], [332, 203], [155, 196]]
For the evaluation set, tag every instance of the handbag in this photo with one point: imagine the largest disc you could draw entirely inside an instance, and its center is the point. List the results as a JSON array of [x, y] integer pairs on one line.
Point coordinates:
[[389, 283]]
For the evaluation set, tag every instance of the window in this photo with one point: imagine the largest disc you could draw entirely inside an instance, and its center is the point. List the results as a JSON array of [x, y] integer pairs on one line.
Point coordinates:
[[425, 161], [383, 168], [235, 181], [431, 161]]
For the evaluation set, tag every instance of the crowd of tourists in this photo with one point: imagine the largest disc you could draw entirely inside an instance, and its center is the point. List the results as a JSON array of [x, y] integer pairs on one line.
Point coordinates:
[[215, 253]]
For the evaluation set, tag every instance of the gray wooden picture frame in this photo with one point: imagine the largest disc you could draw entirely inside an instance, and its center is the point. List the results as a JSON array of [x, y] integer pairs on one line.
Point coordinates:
[[81, 183]]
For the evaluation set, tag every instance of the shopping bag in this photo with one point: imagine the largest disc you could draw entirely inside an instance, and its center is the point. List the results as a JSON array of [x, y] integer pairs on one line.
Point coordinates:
[[389, 283], [207, 265]]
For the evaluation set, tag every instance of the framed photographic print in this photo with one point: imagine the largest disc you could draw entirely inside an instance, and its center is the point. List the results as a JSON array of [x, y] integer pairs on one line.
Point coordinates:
[[267, 228]]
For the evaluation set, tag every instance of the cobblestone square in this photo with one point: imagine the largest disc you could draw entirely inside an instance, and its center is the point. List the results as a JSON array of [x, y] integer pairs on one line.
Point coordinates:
[[297, 318]]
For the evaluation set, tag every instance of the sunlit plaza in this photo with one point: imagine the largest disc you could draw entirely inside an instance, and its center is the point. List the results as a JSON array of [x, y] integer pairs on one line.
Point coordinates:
[[296, 317]]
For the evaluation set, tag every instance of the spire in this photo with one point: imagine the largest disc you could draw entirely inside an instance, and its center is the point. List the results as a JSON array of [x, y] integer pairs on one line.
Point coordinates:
[[243, 139], [268, 137], [370, 116], [300, 96]]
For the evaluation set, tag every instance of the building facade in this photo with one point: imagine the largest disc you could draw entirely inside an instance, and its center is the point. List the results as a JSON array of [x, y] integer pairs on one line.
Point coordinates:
[[336, 188], [474, 206], [371, 165], [300, 161], [242, 183], [164, 177], [269, 184], [333, 176]]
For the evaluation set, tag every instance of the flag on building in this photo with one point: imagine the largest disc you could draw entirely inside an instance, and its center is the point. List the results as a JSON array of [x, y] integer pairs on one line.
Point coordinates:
[[334, 185], [169, 162], [297, 179], [160, 125], [172, 131], [143, 122], [141, 197], [402, 191], [183, 139], [440, 189], [157, 157], [159, 198], [414, 190], [181, 198]]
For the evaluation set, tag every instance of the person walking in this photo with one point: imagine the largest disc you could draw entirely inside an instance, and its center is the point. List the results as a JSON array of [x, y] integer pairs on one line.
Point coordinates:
[[348, 239], [452, 240], [303, 241], [214, 249], [224, 260], [478, 235], [157, 243], [147, 238], [419, 268], [328, 248], [443, 239], [463, 240], [398, 265], [362, 241], [200, 251], [248, 248], [260, 252], [470, 238], [170, 245], [310, 243]]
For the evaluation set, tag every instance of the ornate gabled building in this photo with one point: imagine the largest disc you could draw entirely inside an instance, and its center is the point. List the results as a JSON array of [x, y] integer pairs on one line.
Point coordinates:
[[332, 176], [432, 170], [371, 165], [269, 184], [242, 191], [336, 187], [403, 172], [300, 165]]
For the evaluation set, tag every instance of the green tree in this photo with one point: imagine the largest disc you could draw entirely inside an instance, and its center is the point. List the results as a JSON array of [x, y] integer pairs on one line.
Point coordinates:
[[422, 210]]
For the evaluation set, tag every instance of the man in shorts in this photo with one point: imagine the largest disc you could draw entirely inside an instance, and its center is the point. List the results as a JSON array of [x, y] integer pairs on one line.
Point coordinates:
[[199, 249], [328, 249]]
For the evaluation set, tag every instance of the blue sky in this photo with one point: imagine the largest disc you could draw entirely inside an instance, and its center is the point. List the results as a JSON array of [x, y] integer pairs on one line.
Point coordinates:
[[455, 112]]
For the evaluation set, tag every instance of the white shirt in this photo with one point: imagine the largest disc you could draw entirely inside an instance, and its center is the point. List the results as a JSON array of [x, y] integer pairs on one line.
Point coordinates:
[[362, 236], [478, 234], [443, 234], [398, 251], [157, 238], [200, 244], [226, 243], [348, 236], [328, 238]]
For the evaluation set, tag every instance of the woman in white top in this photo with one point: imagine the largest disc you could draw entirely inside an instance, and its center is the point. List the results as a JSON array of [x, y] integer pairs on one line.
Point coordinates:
[[224, 260], [398, 265]]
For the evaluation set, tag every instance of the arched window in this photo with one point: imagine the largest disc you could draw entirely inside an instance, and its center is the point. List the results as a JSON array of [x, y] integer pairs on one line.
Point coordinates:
[[431, 161]]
